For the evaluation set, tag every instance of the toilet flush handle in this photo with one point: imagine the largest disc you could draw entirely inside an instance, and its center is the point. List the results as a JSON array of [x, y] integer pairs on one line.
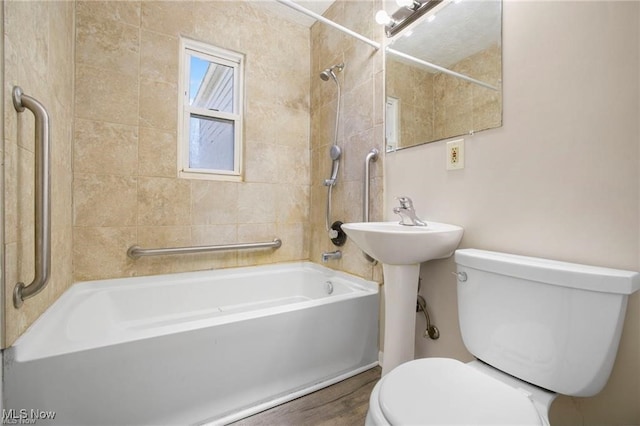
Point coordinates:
[[462, 276]]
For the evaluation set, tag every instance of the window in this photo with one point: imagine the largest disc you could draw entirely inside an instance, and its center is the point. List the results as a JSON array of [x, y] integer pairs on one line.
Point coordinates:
[[210, 108]]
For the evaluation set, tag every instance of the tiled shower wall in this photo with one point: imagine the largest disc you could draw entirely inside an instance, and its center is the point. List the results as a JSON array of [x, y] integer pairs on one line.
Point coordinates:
[[114, 161], [361, 127], [125, 187], [38, 56]]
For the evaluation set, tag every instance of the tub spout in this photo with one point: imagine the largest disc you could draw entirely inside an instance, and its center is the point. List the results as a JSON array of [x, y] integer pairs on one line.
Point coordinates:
[[326, 256]]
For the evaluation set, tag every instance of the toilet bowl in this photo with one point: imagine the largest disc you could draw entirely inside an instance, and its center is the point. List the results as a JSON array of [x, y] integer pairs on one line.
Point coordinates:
[[528, 322], [443, 391]]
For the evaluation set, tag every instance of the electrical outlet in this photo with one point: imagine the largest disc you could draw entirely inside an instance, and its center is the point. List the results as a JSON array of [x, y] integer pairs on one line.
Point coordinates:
[[455, 154]]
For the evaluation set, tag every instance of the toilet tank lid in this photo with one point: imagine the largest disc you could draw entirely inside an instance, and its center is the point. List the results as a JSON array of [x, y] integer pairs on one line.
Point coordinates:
[[553, 272]]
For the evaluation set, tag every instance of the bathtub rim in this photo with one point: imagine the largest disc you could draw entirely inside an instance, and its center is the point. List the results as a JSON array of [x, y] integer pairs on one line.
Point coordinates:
[[25, 350]]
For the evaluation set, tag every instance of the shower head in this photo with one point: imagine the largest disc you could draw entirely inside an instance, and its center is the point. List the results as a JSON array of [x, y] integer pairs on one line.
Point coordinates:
[[329, 72]]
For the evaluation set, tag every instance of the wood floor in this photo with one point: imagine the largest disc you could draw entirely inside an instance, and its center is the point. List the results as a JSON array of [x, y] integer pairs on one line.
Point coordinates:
[[343, 404]]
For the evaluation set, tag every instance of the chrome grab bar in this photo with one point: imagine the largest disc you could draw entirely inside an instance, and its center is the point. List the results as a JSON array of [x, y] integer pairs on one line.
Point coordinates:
[[42, 210], [371, 156], [136, 252]]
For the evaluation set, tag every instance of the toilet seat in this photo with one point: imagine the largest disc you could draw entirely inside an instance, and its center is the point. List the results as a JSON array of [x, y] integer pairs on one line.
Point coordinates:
[[447, 391]]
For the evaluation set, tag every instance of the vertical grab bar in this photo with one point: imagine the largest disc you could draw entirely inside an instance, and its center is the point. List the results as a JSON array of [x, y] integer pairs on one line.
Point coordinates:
[[371, 156], [42, 210]]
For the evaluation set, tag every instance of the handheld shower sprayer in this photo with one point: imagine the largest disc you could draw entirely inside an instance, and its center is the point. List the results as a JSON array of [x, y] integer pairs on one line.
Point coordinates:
[[335, 152]]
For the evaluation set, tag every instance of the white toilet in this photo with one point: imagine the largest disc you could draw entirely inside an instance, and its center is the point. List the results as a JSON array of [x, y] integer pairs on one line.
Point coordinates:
[[537, 327]]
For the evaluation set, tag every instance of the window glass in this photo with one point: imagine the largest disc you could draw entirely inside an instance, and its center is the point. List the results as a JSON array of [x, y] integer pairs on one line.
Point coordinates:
[[210, 131], [210, 85], [211, 143]]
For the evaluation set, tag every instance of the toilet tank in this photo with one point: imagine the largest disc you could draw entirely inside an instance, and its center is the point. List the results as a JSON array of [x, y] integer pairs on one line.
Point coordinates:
[[554, 324]]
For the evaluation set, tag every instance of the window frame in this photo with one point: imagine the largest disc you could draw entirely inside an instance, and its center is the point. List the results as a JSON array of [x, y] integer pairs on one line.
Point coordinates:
[[235, 60]]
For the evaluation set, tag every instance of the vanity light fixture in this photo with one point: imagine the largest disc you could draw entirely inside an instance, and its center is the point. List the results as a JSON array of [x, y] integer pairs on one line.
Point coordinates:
[[410, 4], [383, 18], [409, 11]]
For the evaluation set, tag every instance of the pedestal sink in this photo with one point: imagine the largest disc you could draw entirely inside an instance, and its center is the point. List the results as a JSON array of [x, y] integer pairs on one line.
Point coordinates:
[[401, 249]]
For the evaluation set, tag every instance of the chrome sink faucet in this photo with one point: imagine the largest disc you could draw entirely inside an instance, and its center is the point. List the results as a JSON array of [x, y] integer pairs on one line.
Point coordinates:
[[407, 214]]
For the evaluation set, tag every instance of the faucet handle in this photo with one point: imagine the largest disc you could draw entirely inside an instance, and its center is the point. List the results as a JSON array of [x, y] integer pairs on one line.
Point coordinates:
[[405, 202]]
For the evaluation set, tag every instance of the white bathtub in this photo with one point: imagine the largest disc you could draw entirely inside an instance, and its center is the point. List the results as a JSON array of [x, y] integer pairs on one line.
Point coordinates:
[[191, 348]]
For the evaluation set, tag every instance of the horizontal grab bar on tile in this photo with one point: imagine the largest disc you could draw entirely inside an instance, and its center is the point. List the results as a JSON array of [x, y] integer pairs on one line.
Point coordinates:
[[136, 252]]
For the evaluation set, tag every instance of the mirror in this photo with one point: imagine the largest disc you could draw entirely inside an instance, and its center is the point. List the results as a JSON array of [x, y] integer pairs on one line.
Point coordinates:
[[462, 95]]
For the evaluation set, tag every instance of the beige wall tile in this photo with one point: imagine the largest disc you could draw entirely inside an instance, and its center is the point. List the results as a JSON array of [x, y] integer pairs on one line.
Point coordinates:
[[168, 17], [256, 203], [295, 242], [292, 203], [105, 95], [163, 201], [159, 57], [10, 170], [157, 153], [101, 252], [105, 148], [293, 164], [226, 15], [61, 43], [126, 12], [278, 126], [104, 200], [261, 162], [358, 108], [214, 203], [107, 44], [158, 105]]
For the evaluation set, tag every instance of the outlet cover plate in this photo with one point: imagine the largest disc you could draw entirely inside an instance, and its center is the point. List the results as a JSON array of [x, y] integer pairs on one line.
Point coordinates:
[[455, 154]]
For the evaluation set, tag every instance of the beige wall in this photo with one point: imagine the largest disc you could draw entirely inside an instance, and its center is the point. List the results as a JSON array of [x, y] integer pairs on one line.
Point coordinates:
[[560, 179], [38, 56], [125, 186], [360, 130]]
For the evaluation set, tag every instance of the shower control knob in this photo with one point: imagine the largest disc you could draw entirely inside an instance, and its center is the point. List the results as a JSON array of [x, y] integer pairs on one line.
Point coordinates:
[[333, 234]]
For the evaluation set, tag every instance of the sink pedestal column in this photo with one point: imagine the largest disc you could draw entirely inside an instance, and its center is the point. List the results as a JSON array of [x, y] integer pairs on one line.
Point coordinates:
[[400, 293]]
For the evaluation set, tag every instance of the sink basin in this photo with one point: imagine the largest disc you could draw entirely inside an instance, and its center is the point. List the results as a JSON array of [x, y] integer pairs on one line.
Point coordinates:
[[395, 244]]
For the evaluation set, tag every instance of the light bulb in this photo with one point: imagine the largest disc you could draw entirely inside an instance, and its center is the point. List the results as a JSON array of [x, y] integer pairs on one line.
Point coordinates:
[[383, 18]]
